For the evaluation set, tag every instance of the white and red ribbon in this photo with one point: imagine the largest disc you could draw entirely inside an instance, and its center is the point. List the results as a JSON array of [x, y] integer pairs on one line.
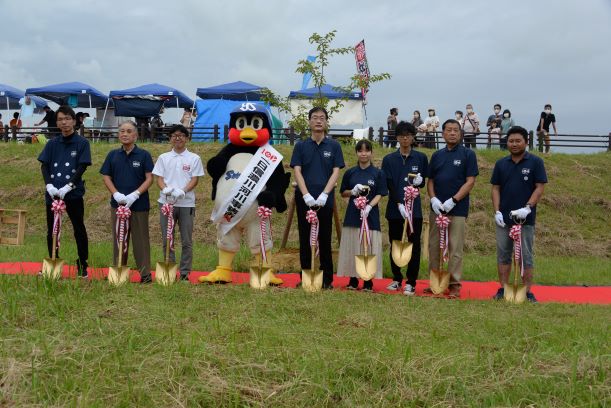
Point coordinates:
[[264, 214], [515, 233], [312, 218], [168, 210], [364, 233], [122, 225], [411, 193], [443, 222], [58, 207]]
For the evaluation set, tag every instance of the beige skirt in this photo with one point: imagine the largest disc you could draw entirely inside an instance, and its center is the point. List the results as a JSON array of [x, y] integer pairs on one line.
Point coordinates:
[[350, 246]]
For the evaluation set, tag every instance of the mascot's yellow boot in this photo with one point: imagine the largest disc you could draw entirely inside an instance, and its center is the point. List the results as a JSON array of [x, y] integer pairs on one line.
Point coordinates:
[[222, 273]]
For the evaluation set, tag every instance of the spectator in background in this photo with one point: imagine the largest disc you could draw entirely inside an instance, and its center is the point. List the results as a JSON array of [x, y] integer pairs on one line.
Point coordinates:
[[431, 124], [418, 123], [392, 121], [506, 124], [143, 126], [494, 124], [547, 118], [50, 119], [470, 127], [157, 128], [188, 117], [15, 125], [3, 135]]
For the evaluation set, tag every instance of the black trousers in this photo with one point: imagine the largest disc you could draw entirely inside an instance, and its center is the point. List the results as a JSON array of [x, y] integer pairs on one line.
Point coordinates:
[[395, 232], [325, 222], [76, 212]]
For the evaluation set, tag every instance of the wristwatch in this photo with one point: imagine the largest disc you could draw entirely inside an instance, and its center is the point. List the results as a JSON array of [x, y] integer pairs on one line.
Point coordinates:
[[454, 200]]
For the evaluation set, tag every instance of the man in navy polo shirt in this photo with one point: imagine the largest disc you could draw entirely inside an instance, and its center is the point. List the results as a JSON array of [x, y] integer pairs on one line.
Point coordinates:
[[517, 182], [128, 174], [452, 173], [63, 161], [396, 167], [317, 161]]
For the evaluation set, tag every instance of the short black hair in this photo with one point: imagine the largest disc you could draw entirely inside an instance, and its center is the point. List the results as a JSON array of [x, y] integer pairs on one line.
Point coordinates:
[[178, 128], [519, 130], [507, 111], [547, 105], [443, 127], [363, 143], [497, 105], [405, 128], [66, 110], [458, 111], [16, 115], [393, 110], [318, 109]]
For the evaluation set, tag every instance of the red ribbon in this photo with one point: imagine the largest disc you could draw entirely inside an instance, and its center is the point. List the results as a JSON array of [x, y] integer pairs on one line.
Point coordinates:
[[312, 218], [264, 214], [515, 233], [443, 222], [58, 207], [168, 210], [364, 233], [411, 193], [122, 225]]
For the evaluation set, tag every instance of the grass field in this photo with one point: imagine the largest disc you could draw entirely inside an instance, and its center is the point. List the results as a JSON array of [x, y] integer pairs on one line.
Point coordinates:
[[75, 343]]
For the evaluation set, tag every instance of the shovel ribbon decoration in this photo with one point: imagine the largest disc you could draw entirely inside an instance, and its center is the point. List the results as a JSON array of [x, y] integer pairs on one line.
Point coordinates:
[[122, 226], [264, 214], [443, 222], [312, 218], [411, 193], [168, 210], [515, 233], [58, 207], [364, 234]]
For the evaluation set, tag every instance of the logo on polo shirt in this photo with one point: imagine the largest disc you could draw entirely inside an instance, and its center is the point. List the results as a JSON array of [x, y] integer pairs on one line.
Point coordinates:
[[186, 167], [135, 164], [371, 182], [232, 175], [414, 168], [326, 154], [73, 153], [525, 171], [457, 162]]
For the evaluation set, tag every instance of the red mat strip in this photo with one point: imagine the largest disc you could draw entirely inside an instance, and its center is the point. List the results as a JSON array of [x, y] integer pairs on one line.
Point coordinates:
[[470, 290]]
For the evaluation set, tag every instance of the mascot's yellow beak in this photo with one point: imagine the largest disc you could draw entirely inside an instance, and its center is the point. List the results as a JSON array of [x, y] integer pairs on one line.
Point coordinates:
[[248, 135]]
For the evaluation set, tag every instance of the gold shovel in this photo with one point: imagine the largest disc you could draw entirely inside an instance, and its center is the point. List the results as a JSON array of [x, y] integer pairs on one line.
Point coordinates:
[[311, 279], [439, 279], [165, 272], [365, 264], [401, 251], [52, 267], [515, 293], [259, 275], [118, 275]]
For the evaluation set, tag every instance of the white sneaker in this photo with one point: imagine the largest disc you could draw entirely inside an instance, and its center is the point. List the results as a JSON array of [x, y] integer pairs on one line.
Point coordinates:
[[409, 290], [394, 285]]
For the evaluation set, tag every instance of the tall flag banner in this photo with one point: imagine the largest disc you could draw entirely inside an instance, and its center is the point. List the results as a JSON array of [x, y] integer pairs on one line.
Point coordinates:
[[362, 68], [307, 76]]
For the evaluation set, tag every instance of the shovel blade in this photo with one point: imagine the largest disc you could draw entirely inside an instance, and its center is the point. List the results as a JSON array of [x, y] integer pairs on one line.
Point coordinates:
[[165, 273], [439, 281], [260, 277], [366, 266], [52, 268], [401, 252], [118, 275], [515, 294], [311, 280]]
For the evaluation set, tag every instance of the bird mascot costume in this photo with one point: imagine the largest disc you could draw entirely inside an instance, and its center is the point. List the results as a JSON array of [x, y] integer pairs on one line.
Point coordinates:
[[248, 180]]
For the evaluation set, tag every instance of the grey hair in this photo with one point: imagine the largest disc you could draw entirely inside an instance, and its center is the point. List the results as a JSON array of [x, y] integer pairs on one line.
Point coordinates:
[[129, 122]]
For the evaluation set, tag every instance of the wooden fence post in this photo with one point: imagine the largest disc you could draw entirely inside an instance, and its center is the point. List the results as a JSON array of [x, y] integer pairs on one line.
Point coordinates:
[[215, 133], [381, 136]]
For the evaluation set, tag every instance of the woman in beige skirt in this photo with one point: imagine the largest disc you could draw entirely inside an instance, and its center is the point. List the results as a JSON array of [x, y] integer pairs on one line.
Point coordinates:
[[361, 180]]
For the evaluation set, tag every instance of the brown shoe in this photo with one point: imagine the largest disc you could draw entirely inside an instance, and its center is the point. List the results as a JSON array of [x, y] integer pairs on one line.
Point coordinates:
[[454, 294]]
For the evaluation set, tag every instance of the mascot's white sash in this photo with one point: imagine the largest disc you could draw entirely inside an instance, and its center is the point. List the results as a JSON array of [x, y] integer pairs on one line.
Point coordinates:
[[246, 189]]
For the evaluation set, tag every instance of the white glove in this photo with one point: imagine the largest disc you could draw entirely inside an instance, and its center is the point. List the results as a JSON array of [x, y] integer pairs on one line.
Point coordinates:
[[52, 190], [131, 198], [63, 191], [357, 189], [167, 190], [322, 199], [309, 200], [178, 194], [402, 210], [366, 211], [498, 218], [436, 205], [417, 180], [448, 205], [119, 198], [521, 213]]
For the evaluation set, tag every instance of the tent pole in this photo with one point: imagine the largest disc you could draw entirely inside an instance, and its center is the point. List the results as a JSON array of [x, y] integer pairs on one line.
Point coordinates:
[[89, 101], [103, 118]]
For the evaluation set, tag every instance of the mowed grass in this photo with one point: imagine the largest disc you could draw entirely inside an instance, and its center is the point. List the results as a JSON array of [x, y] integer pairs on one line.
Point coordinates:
[[76, 343]]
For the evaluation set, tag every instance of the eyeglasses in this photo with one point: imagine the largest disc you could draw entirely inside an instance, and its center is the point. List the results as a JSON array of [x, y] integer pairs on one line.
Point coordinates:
[[178, 136]]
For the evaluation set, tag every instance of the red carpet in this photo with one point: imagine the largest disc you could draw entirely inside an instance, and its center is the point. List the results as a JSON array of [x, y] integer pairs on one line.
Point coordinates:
[[470, 290]]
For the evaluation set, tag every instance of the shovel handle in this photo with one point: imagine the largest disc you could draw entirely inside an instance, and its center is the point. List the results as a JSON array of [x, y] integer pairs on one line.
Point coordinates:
[[54, 250]]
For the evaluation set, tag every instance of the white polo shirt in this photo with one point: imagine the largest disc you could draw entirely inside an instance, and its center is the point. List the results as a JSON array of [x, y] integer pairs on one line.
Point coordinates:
[[177, 171]]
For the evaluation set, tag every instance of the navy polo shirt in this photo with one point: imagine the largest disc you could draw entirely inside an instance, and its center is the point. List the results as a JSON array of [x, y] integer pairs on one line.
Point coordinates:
[[517, 182], [396, 167], [317, 162], [372, 177], [63, 155], [128, 172], [449, 170]]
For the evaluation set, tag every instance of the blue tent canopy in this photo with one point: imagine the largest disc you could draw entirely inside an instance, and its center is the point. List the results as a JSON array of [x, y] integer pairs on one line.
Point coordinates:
[[75, 94], [9, 98], [327, 91], [147, 100], [234, 91]]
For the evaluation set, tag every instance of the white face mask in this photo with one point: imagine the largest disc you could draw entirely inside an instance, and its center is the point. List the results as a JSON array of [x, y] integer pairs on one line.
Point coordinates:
[[458, 116], [469, 110], [506, 115], [548, 111], [431, 113]]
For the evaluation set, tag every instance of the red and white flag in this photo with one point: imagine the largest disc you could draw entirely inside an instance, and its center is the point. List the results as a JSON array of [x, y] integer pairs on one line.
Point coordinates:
[[361, 65]]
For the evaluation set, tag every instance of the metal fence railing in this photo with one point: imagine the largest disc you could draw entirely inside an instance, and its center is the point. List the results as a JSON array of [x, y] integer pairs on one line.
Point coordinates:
[[382, 136]]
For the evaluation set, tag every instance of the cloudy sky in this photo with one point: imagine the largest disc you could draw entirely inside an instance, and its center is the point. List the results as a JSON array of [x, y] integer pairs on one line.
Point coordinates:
[[443, 53]]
